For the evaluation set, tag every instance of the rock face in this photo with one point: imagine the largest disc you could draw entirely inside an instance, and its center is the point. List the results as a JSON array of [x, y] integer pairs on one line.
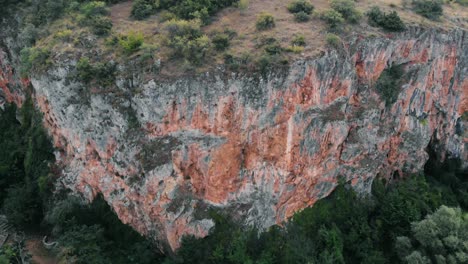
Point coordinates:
[[257, 147]]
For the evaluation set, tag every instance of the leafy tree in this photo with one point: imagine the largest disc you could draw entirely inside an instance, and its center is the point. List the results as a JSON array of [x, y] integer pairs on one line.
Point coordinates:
[[441, 237], [389, 22]]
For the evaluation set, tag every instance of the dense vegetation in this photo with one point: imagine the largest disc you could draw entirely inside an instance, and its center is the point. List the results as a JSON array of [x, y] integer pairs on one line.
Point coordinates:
[[389, 22], [183, 9], [86, 233]]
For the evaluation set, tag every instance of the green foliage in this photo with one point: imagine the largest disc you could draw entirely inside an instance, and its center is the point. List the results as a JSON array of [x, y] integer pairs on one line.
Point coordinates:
[[220, 41], [301, 16], [300, 6], [194, 9], [347, 8], [342, 228], [265, 21], [441, 236], [431, 9], [93, 234], [389, 22], [131, 42], [24, 161], [9, 254], [100, 25], [388, 84], [101, 73], [298, 40], [333, 40], [332, 18], [34, 60], [186, 40], [94, 8], [142, 9]]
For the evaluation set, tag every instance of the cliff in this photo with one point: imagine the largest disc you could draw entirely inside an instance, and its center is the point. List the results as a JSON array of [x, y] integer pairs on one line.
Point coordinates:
[[258, 147]]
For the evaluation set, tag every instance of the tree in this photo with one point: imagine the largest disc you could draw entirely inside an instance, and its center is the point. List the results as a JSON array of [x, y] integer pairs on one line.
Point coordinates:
[[441, 236]]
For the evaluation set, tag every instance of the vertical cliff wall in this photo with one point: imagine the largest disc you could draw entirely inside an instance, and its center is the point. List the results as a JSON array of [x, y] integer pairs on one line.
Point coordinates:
[[257, 147]]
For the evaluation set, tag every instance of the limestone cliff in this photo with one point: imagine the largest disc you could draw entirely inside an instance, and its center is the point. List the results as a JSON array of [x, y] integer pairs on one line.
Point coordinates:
[[259, 147]]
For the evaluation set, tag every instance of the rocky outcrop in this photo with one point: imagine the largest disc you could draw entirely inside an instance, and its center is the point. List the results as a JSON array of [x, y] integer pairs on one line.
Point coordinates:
[[260, 148]]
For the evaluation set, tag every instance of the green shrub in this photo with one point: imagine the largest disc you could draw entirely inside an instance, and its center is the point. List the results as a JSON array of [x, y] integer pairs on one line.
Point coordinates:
[[194, 9], [34, 60], [300, 6], [347, 8], [462, 2], [273, 49], [389, 22], [221, 41], [100, 25], [64, 34], [333, 40], [332, 18], [94, 8], [265, 21], [186, 40], [196, 49], [431, 9], [141, 9], [388, 84], [189, 29], [131, 42], [166, 16], [298, 40], [84, 69], [301, 16], [102, 73]]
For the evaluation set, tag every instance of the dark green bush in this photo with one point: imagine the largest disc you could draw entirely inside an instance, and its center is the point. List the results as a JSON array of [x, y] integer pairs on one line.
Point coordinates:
[[389, 22], [142, 9], [300, 6], [265, 21], [102, 73], [100, 25], [431, 9], [332, 18], [347, 8], [220, 41], [301, 16], [94, 8], [195, 9], [388, 84], [131, 42], [333, 40], [186, 40], [34, 60]]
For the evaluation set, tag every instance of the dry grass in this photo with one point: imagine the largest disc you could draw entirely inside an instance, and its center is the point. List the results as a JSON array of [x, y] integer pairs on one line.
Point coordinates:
[[243, 22]]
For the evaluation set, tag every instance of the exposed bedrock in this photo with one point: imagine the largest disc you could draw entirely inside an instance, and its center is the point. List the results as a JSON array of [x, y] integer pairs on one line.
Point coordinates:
[[259, 148]]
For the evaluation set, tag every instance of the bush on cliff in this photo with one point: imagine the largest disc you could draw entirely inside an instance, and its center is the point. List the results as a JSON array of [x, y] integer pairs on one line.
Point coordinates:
[[34, 60], [301, 10], [431, 9], [347, 8], [187, 41], [388, 84], [265, 21], [142, 9], [389, 22], [332, 18]]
